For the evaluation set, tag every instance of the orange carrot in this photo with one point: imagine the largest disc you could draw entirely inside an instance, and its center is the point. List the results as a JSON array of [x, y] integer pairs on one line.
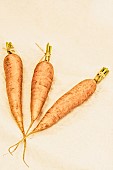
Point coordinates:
[[40, 86], [13, 68]]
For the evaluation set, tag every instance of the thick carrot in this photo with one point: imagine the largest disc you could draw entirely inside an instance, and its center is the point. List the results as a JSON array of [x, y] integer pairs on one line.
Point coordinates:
[[13, 68]]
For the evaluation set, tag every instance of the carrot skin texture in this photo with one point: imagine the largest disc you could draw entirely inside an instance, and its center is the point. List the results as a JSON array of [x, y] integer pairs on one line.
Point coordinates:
[[70, 100], [41, 84], [13, 68]]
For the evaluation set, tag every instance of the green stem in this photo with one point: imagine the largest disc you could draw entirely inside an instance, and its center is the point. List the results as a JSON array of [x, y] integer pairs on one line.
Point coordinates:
[[101, 75], [9, 48], [48, 52]]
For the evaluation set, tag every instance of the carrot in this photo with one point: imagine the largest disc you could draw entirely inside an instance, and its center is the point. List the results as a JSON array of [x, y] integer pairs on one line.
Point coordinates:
[[70, 100], [13, 68], [40, 86]]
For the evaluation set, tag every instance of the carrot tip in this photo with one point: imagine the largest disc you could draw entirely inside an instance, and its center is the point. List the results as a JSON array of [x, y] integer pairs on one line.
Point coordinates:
[[26, 163], [24, 153], [10, 152], [13, 149], [15, 145]]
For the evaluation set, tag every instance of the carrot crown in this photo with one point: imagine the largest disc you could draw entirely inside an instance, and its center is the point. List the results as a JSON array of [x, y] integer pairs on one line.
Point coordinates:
[[9, 48], [101, 75], [48, 52]]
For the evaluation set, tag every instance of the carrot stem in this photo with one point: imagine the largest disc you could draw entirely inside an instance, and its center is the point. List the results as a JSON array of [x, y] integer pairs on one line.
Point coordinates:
[[9, 48], [101, 75], [42, 59], [40, 48], [47, 54]]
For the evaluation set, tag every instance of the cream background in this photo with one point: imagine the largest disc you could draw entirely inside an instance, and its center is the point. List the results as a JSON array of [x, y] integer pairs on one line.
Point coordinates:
[[81, 33]]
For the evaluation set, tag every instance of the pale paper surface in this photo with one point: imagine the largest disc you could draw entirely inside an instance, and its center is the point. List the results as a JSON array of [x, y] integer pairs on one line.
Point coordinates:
[[81, 33]]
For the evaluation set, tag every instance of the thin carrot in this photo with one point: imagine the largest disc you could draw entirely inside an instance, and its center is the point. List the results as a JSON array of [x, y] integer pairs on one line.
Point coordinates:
[[40, 86], [13, 68]]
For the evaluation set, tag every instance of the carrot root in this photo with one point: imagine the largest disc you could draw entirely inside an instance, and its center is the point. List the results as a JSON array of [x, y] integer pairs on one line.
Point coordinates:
[[24, 153], [24, 138], [29, 127], [17, 144]]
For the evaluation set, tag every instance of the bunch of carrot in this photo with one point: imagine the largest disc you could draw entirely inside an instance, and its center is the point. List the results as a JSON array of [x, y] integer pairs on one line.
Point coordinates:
[[40, 86]]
